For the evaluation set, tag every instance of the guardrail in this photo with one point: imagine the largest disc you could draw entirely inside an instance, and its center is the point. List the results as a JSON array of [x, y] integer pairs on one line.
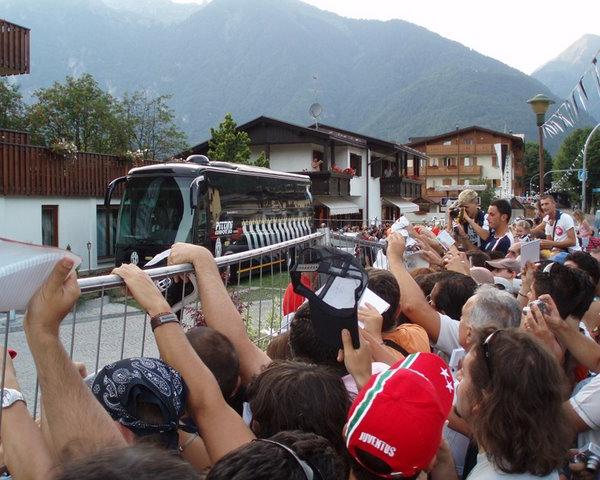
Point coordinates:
[[107, 325]]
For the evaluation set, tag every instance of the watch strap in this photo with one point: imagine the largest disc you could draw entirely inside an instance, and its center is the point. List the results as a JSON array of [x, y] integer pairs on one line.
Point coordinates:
[[162, 318], [12, 396]]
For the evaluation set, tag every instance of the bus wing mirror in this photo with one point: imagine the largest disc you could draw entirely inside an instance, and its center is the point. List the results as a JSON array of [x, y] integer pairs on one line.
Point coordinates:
[[111, 188], [196, 188]]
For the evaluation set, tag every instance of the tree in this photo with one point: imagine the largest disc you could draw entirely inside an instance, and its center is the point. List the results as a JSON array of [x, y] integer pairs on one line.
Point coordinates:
[[79, 111], [228, 144], [152, 130], [531, 163], [12, 108], [569, 151]]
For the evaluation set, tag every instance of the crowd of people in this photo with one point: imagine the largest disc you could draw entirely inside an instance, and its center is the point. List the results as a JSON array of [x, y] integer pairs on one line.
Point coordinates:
[[479, 368]]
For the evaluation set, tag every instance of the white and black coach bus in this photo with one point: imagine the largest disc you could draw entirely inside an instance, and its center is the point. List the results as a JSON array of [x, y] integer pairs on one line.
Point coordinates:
[[226, 207]]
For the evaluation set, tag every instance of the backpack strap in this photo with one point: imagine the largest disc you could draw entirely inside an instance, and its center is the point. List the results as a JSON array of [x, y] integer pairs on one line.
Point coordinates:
[[390, 343]]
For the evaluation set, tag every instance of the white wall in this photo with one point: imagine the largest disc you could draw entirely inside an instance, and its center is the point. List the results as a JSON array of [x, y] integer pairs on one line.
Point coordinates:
[[289, 158], [488, 171], [21, 219]]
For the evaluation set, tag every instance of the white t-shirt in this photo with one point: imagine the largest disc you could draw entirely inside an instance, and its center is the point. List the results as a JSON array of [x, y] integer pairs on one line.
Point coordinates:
[[586, 404], [561, 232], [448, 337], [484, 470]]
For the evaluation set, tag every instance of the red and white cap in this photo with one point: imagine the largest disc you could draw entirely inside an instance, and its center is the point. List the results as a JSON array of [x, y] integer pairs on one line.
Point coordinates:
[[399, 415]]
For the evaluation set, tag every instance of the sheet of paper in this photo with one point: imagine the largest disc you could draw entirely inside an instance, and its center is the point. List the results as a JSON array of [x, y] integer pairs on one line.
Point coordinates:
[[369, 296], [530, 252], [24, 267], [445, 239], [341, 292], [157, 258]]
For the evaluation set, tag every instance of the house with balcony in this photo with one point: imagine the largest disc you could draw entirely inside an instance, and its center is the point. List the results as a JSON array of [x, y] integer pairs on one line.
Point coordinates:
[[56, 200], [355, 177], [470, 156]]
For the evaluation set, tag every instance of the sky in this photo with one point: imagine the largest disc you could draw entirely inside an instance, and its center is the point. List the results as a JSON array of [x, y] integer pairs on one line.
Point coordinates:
[[524, 34]]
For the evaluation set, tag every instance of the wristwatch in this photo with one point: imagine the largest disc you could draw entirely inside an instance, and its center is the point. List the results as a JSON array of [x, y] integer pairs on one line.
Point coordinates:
[[10, 396], [162, 318]]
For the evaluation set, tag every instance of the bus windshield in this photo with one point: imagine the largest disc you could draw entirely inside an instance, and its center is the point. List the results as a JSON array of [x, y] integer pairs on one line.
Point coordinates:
[[155, 211]]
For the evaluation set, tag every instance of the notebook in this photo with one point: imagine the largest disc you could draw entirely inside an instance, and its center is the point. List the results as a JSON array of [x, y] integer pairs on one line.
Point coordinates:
[[24, 267]]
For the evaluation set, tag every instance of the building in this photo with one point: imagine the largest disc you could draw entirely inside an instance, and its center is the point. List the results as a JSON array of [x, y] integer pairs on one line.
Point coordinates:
[[355, 178], [470, 156], [14, 51], [48, 199]]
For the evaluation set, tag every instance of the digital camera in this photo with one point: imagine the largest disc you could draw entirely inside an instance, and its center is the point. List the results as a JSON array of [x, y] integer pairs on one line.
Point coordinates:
[[590, 455], [541, 305], [454, 212]]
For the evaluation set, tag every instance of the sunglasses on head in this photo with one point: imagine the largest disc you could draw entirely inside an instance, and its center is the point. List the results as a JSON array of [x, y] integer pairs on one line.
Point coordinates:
[[310, 472], [486, 350]]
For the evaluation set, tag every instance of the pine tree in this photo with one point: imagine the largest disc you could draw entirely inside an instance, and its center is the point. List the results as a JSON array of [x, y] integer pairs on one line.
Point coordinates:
[[227, 144]]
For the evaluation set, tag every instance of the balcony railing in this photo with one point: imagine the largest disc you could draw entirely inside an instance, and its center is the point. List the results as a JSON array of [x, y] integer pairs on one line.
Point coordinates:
[[36, 171], [454, 170], [329, 183], [444, 150], [400, 187], [14, 49]]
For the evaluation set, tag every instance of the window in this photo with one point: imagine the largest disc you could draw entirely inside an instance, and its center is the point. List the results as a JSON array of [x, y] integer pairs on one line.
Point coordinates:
[[433, 162], [356, 163], [448, 142], [447, 181], [449, 161], [376, 167], [106, 230], [423, 162], [494, 161], [468, 162], [496, 183], [469, 141], [50, 225]]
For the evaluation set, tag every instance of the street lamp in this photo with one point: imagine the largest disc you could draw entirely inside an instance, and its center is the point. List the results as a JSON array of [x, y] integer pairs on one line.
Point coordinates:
[[539, 105]]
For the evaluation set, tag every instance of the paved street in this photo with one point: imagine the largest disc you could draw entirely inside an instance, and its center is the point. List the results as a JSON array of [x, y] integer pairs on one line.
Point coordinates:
[[113, 328]]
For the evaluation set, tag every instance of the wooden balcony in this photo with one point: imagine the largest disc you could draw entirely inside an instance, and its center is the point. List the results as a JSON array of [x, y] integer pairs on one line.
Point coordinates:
[[329, 183], [28, 170], [454, 171], [463, 149], [14, 49], [400, 187]]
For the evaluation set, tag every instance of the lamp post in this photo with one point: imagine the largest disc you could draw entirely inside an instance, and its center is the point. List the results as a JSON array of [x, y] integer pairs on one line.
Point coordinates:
[[539, 105]]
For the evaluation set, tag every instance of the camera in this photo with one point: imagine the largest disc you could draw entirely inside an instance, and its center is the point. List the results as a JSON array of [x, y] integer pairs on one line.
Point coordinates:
[[541, 305], [590, 455], [454, 212]]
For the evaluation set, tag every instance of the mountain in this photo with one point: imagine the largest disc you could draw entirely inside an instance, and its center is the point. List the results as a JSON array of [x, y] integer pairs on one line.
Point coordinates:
[[561, 74], [155, 11], [388, 79]]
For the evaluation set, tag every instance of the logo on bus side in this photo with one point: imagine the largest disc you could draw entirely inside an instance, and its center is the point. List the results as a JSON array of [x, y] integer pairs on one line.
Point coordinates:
[[134, 258], [224, 228]]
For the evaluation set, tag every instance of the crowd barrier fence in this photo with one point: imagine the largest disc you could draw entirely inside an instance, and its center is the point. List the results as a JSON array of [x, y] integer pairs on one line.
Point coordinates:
[[107, 325]]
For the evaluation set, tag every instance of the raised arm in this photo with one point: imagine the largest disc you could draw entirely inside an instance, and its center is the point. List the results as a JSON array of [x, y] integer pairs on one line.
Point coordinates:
[[584, 349], [219, 311], [414, 304], [25, 452], [77, 423], [221, 428]]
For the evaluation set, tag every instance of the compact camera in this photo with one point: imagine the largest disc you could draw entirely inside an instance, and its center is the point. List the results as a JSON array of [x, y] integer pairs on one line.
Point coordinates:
[[590, 455], [541, 305], [454, 212]]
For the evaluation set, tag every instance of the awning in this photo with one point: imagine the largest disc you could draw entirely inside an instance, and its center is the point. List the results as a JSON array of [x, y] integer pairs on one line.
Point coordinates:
[[338, 206], [404, 205]]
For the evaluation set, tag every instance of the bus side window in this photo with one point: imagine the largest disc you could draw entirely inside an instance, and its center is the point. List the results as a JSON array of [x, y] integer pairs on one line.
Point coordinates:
[[200, 223]]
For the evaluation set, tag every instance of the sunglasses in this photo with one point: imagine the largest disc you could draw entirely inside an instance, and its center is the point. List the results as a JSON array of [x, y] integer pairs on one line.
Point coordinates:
[[486, 350], [308, 470]]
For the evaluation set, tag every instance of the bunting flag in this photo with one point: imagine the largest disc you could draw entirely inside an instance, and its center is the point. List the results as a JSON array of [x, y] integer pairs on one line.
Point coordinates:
[[597, 74], [567, 113]]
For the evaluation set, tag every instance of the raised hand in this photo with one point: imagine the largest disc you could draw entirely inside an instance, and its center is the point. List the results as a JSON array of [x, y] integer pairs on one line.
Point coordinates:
[[143, 289], [53, 300]]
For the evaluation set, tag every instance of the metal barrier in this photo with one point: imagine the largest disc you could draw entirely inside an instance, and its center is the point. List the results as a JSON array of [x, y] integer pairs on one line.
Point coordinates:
[[107, 324]]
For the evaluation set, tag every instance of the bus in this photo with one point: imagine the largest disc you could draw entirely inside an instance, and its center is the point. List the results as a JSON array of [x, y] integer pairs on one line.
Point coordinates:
[[226, 207]]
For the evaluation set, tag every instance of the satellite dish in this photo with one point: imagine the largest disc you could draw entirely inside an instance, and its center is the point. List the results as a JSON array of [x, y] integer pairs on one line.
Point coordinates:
[[315, 110]]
